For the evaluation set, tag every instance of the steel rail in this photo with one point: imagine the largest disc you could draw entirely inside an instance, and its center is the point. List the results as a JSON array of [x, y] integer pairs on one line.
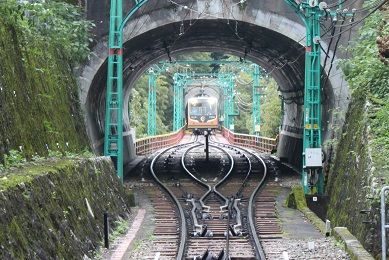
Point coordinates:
[[209, 187], [258, 248], [183, 236]]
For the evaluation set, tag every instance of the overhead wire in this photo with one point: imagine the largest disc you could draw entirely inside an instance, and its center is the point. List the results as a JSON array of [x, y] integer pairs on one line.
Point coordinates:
[[374, 6], [355, 23], [333, 57]]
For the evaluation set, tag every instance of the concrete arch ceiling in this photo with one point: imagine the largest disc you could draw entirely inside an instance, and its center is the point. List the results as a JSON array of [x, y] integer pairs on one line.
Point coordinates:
[[256, 34]]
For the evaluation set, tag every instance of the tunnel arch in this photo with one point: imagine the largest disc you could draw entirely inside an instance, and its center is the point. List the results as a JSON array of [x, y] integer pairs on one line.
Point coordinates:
[[271, 40]]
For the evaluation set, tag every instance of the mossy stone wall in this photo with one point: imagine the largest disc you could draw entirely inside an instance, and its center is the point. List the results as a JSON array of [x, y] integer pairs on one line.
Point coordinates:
[[350, 180], [47, 217], [39, 105]]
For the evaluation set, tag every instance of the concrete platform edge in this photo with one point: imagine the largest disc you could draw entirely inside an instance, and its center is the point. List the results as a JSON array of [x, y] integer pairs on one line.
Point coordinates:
[[352, 245]]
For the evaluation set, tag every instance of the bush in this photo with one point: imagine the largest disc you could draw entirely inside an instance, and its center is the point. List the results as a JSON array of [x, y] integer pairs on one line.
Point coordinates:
[[57, 23]]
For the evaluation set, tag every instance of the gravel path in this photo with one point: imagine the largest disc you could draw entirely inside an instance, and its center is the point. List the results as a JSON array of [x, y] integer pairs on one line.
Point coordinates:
[[321, 248], [301, 240], [142, 242]]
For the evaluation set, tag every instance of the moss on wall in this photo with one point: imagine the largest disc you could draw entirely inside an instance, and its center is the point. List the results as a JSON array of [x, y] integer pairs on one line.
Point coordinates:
[[47, 216], [352, 182], [39, 107]]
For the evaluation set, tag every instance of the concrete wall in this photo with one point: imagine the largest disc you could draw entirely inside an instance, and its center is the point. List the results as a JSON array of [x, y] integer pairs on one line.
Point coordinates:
[[55, 209]]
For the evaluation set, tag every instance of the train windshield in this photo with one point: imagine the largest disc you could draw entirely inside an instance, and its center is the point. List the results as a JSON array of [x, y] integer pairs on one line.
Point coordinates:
[[200, 107]]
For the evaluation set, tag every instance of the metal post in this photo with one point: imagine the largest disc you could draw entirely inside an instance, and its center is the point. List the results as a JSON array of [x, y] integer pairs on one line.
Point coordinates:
[[310, 13], [384, 226], [106, 231], [113, 136], [206, 134], [256, 110], [176, 104], [312, 103], [183, 106], [231, 104], [226, 107], [152, 105], [113, 125]]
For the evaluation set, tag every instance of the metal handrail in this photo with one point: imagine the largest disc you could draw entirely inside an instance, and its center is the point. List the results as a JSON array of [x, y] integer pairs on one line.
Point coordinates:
[[384, 225], [149, 145], [260, 143]]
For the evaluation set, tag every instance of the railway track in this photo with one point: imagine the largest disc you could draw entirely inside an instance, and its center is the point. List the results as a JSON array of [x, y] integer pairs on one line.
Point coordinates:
[[207, 209], [266, 223], [170, 221]]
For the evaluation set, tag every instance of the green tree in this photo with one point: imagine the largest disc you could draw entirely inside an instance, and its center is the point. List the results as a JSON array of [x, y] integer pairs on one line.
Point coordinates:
[[270, 109]]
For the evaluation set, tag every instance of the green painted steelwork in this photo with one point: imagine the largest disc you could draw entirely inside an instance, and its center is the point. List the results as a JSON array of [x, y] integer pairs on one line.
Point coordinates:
[[152, 105], [311, 12], [178, 100], [113, 130], [225, 82], [257, 93], [204, 62], [153, 75]]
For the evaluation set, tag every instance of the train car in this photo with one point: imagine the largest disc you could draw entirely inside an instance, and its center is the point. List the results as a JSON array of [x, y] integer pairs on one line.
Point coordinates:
[[202, 113]]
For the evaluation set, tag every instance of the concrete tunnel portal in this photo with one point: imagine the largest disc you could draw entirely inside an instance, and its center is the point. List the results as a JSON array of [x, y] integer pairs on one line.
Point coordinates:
[[272, 41]]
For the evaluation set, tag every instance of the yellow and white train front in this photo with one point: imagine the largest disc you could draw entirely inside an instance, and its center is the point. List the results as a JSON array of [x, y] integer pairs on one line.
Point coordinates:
[[202, 113]]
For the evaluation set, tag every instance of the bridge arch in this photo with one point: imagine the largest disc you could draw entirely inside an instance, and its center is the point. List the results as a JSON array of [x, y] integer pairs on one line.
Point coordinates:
[[256, 33]]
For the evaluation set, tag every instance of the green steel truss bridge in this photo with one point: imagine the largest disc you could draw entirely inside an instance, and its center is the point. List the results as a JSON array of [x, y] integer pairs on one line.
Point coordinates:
[[225, 81]]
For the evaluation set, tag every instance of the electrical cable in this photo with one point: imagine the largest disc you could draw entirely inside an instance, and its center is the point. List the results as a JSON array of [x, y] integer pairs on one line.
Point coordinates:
[[355, 23], [328, 50]]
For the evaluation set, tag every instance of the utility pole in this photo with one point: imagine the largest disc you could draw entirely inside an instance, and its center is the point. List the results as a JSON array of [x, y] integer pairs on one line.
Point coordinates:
[[311, 11], [312, 175]]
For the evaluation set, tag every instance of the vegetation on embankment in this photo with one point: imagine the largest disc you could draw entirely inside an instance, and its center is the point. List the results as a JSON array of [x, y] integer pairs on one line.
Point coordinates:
[[40, 44], [55, 210], [360, 167]]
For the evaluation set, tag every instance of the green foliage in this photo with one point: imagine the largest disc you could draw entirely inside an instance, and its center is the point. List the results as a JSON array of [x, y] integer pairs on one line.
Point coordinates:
[[14, 158], [368, 76], [120, 228], [365, 70], [55, 22], [380, 142], [270, 109], [39, 104], [243, 122]]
